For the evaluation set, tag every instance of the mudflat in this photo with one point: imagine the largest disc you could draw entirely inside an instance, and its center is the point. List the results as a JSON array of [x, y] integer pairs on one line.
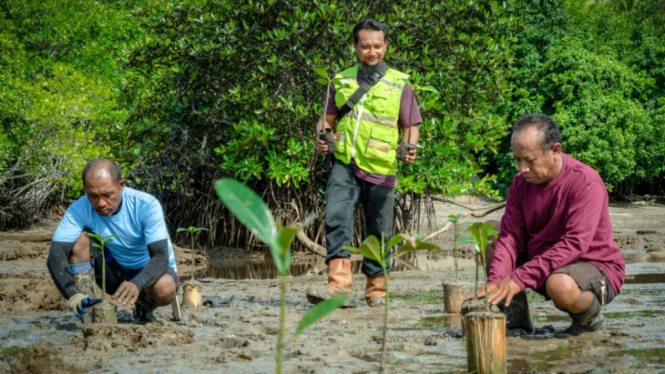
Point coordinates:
[[235, 331]]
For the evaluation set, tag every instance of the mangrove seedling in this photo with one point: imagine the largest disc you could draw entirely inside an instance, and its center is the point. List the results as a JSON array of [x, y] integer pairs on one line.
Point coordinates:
[[454, 219], [373, 250], [102, 241], [481, 234], [253, 212], [192, 230]]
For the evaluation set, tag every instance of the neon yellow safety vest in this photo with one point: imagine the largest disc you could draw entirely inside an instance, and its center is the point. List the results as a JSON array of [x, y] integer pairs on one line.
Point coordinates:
[[369, 132]]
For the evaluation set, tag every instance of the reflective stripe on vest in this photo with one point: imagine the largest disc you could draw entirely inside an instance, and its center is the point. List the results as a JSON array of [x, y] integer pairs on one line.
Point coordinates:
[[369, 132]]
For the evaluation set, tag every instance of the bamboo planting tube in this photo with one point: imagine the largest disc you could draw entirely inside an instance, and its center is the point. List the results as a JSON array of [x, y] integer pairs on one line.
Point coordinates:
[[191, 295], [453, 296], [485, 342]]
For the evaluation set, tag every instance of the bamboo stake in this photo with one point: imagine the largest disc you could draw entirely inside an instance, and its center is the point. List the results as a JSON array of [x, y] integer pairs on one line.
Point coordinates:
[[485, 342]]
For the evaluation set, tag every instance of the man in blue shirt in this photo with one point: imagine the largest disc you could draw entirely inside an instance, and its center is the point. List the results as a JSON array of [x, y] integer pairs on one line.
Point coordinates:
[[140, 266]]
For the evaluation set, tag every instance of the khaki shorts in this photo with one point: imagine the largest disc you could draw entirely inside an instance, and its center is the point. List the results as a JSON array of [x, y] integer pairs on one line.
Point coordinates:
[[589, 278]]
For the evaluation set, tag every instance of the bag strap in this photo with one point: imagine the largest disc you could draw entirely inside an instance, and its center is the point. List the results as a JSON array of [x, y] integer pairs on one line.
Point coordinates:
[[362, 90]]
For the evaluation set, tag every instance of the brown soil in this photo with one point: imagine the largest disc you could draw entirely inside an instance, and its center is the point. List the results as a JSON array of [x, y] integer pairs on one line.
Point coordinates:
[[238, 335]]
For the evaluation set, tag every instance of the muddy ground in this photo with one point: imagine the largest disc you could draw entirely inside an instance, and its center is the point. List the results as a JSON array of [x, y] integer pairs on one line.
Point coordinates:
[[236, 331]]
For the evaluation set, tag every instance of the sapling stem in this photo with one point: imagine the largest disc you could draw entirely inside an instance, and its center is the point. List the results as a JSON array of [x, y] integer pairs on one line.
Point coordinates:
[[282, 318], [384, 351], [191, 235]]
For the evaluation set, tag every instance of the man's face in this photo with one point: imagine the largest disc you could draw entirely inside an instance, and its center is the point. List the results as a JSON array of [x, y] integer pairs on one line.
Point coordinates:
[[536, 164], [104, 194], [371, 47]]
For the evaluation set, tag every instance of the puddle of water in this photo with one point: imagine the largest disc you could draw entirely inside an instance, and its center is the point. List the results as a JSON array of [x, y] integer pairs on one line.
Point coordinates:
[[539, 361], [645, 278], [265, 268]]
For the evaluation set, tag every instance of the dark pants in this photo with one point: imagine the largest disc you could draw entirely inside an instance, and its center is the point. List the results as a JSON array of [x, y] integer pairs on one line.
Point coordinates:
[[343, 191], [115, 273]]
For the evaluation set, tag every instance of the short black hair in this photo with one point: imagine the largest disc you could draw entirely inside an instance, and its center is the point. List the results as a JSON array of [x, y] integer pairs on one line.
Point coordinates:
[[544, 124], [369, 24], [111, 167]]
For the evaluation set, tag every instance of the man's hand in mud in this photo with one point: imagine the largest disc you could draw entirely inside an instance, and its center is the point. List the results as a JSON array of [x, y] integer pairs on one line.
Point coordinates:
[[127, 293], [498, 292], [80, 303]]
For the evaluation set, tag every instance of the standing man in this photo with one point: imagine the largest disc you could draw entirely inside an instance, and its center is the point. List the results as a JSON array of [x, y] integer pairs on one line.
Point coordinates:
[[556, 234], [140, 266], [368, 106]]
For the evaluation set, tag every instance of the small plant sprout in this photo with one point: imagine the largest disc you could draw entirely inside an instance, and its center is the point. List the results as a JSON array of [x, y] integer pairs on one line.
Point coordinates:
[[102, 241], [252, 212], [373, 250], [454, 219], [481, 234], [192, 230]]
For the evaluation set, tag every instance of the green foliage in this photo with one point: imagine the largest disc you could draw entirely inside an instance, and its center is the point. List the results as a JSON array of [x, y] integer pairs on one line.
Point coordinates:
[[252, 212], [243, 76], [101, 242], [597, 67], [58, 105], [192, 230]]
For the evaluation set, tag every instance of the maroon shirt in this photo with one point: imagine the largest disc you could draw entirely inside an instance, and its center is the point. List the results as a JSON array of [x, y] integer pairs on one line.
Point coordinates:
[[559, 223], [409, 115]]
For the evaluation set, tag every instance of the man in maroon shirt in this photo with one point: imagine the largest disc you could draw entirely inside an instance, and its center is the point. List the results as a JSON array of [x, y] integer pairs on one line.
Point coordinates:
[[556, 234]]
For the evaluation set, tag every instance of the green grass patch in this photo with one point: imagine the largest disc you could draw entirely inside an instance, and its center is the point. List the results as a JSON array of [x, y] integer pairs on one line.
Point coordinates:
[[12, 351]]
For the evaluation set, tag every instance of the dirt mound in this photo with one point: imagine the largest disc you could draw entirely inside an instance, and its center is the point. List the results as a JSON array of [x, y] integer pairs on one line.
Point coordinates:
[[26, 250], [120, 337], [35, 359], [183, 256], [29, 295]]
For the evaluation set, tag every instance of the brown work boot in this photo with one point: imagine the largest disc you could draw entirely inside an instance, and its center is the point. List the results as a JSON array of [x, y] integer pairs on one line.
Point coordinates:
[[339, 276], [339, 281], [375, 291]]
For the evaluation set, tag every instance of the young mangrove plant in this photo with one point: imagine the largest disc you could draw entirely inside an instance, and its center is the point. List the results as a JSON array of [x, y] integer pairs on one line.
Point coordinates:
[[454, 219], [252, 212], [480, 236], [102, 241], [373, 250], [192, 230]]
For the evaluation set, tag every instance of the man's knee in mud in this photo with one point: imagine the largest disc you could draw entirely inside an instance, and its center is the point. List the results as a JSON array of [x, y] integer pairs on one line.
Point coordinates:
[[163, 291]]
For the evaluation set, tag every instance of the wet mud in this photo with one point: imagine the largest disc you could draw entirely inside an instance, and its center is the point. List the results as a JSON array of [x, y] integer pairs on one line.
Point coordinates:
[[235, 330]]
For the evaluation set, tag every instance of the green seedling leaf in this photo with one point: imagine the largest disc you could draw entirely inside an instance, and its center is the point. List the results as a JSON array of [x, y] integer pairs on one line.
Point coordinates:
[[425, 246], [319, 311], [96, 236], [465, 239], [286, 236], [282, 255], [370, 249], [249, 209], [395, 240]]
